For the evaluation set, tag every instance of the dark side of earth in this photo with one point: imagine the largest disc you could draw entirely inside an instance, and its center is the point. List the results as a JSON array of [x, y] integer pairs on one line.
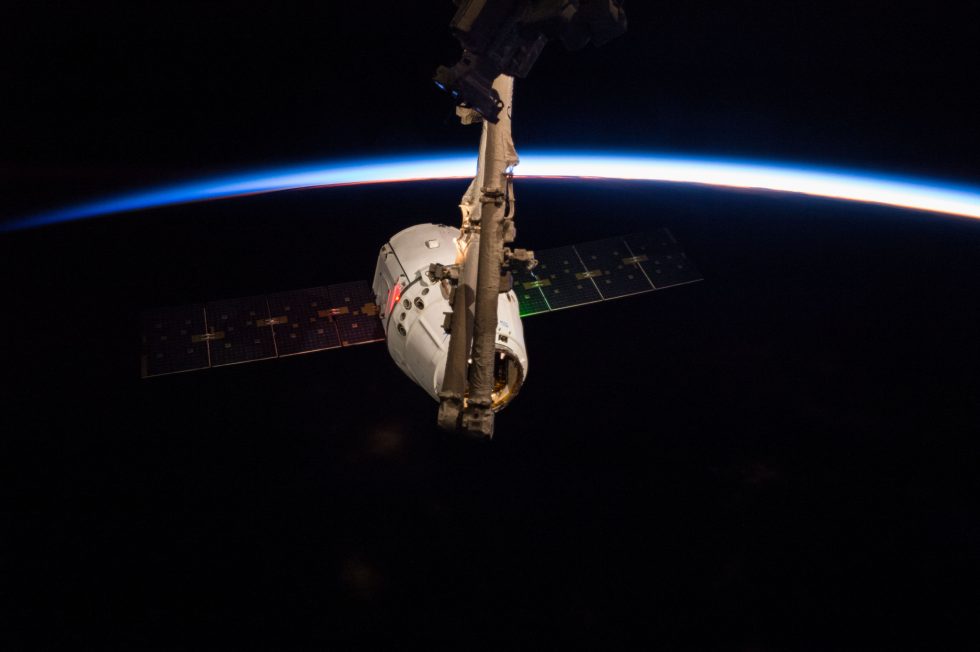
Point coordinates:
[[780, 457]]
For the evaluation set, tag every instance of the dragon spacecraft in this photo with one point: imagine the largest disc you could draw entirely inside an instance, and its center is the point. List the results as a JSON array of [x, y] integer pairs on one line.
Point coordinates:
[[448, 301]]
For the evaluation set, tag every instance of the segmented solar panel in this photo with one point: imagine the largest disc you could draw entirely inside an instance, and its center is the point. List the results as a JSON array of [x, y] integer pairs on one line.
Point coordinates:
[[527, 287], [240, 330], [258, 328], [564, 279], [355, 313], [302, 321], [613, 269], [173, 341], [662, 259], [604, 269]]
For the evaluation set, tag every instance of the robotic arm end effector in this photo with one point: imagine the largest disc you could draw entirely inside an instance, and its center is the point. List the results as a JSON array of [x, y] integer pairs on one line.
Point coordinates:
[[505, 37]]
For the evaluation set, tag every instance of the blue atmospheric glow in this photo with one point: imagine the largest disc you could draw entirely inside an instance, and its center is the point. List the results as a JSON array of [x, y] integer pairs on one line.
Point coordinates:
[[924, 195]]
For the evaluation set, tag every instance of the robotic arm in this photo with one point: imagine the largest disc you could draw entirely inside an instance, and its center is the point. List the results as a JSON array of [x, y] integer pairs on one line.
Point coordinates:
[[505, 37], [501, 40]]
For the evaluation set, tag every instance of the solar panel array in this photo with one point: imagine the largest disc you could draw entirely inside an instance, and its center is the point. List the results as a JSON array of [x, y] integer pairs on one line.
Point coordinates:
[[220, 333], [602, 270], [234, 331]]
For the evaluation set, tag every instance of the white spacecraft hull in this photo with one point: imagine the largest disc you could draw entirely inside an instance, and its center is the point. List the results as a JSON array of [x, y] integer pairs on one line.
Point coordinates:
[[414, 307]]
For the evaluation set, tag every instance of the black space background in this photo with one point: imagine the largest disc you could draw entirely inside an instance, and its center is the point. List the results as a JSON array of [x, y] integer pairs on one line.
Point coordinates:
[[783, 457]]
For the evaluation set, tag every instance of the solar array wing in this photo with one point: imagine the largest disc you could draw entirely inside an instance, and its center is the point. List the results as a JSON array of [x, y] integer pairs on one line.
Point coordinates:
[[302, 321], [613, 269], [662, 259], [258, 328], [564, 279], [355, 313], [234, 331], [173, 341], [240, 331], [530, 297], [602, 270]]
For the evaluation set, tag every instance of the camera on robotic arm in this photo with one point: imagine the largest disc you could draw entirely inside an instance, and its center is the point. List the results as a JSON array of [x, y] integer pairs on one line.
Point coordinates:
[[507, 36]]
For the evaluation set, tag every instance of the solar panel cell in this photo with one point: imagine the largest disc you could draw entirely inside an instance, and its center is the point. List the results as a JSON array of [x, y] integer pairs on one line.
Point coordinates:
[[300, 327], [664, 262], [355, 313], [613, 271], [527, 287], [173, 341], [241, 331], [564, 280]]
